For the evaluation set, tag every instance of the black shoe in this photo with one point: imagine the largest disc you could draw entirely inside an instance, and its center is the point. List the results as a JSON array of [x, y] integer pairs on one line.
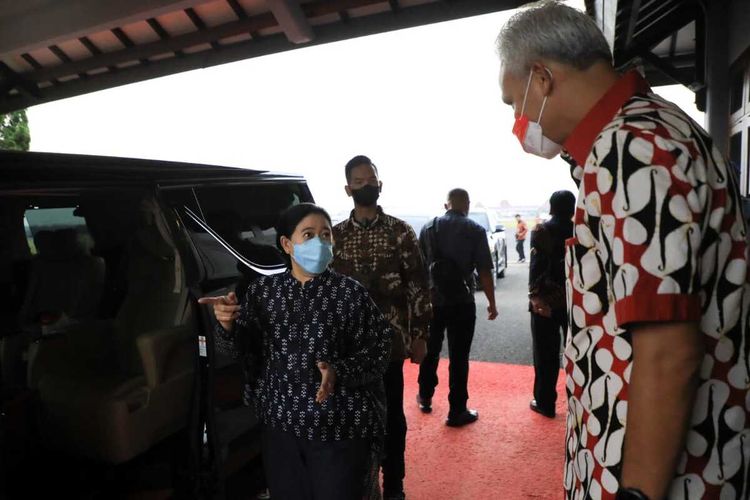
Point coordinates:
[[425, 404], [394, 495], [463, 418], [539, 410]]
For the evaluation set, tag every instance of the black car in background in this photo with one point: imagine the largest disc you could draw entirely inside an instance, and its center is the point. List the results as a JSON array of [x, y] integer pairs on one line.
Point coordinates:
[[110, 384]]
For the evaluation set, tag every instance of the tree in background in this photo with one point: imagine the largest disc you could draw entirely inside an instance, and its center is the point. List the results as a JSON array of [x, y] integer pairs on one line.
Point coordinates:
[[14, 131]]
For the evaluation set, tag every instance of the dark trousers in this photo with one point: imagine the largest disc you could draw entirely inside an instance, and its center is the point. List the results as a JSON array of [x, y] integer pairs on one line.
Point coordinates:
[[458, 320], [519, 249], [395, 429], [545, 336], [300, 469]]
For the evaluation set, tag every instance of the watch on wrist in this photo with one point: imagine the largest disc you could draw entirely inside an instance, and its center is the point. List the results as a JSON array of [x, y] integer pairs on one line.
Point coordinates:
[[630, 494]]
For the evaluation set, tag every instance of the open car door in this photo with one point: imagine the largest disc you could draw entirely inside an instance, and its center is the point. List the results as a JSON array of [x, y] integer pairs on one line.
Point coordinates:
[[231, 231]]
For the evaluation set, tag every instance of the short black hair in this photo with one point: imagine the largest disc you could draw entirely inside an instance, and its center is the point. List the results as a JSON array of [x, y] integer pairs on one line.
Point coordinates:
[[562, 204], [456, 194], [356, 162], [290, 219]]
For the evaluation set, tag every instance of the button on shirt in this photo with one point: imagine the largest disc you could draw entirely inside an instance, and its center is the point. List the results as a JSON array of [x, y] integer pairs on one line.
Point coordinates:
[[464, 242], [659, 236], [285, 328], [384, 256]]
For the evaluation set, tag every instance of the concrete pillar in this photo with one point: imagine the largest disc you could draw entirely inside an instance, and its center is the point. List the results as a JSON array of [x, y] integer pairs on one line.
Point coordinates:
[[717, 73]]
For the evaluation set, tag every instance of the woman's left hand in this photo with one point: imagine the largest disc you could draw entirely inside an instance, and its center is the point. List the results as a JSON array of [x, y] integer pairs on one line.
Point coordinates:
[[327, 383]]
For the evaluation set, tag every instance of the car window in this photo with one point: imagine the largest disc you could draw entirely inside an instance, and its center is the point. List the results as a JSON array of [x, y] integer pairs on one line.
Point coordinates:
[[481, 219], [243, 218], [37, 220]]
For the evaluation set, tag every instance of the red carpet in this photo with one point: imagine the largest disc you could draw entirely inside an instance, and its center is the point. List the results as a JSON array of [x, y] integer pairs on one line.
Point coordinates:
[[509, 453]]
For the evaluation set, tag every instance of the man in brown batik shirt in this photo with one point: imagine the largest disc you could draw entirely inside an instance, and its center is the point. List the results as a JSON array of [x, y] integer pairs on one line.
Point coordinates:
[[383, 254]]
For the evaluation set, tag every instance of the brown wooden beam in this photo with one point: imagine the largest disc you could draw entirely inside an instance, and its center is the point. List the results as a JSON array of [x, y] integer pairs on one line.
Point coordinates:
[[26, 26], [333, 32], [199, 24], [134, 52], [14, 80]]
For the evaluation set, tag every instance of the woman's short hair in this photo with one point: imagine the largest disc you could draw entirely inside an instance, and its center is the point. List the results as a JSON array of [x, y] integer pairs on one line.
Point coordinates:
[[551, 30], [562, 204], [290, 219]]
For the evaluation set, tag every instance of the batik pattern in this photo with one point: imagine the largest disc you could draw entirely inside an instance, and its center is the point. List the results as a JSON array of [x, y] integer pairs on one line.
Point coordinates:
[[386, 259], [285, 328], [659, 236]]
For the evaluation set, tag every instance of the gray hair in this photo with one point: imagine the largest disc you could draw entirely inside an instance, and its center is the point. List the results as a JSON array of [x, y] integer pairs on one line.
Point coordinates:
[[551, 30]]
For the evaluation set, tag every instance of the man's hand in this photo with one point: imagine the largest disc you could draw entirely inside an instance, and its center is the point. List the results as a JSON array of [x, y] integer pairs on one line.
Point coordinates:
[[491, 312], [488, 287], [540, 307], [226, 309], [327, 383], [418, 350]]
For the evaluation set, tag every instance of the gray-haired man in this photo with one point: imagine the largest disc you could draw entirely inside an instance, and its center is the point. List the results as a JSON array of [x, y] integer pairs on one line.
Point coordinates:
[[656, 357]]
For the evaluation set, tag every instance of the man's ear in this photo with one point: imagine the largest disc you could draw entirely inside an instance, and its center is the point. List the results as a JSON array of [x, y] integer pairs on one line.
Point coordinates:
[[446, 206], [287, 245], [348, 191], [542, 76]]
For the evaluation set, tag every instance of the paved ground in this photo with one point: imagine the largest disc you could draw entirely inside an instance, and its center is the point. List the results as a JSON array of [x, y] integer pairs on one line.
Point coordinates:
[[507, 339]]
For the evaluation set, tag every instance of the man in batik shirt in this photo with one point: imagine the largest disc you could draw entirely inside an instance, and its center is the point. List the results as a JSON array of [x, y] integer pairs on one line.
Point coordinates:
[[657, 353], [383, 254]]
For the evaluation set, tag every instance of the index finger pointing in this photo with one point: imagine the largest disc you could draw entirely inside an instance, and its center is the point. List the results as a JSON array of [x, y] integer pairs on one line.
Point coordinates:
[[211, 300]]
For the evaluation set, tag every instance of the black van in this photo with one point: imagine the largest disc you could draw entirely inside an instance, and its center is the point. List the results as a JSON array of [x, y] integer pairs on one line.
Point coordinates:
[[110, 385]]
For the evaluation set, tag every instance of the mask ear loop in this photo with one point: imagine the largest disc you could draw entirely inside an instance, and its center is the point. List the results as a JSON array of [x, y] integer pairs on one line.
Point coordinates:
[[526, 94], [544, 102]]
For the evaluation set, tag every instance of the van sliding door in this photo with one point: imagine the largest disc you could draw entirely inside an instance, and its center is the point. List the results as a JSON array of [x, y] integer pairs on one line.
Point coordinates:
[[232, 235]]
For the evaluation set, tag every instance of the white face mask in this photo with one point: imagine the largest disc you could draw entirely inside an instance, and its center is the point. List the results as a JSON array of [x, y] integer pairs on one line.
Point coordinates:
[[530, 134]]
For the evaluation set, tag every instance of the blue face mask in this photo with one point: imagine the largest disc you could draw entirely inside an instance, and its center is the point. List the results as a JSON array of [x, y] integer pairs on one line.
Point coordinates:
[[314, 255]]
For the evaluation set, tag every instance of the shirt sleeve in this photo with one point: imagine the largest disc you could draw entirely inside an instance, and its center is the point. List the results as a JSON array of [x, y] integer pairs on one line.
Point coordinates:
[[649, 231], [522, 230], [482, 254], [537, 257], [245, 339], [414, 277], [369, 343]]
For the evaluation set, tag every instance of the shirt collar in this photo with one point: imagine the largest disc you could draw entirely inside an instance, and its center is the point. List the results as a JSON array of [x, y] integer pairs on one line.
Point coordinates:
[[581, 140], [315, 281], [371, 225]]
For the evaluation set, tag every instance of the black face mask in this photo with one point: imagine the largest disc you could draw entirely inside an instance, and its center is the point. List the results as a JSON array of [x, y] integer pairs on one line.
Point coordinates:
[[366, 196]]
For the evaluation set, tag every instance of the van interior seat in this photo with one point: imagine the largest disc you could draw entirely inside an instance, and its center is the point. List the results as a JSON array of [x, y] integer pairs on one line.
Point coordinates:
[[112, 391], [65, 282], [65, 277]]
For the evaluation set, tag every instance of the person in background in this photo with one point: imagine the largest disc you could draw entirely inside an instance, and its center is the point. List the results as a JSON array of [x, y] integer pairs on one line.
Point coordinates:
[[455, 240], [521, 232], [547, 303], [382, 253], [656, 359], [316, 347]]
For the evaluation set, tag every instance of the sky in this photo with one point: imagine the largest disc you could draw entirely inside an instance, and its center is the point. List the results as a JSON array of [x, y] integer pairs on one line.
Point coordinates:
[[423, 103]]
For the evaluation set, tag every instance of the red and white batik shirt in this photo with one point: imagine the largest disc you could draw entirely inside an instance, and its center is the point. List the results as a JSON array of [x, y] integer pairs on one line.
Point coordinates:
[[659, 236]]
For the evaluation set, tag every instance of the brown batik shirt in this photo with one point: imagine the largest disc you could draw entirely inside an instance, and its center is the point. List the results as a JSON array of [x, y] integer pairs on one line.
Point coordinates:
[[386, 259]]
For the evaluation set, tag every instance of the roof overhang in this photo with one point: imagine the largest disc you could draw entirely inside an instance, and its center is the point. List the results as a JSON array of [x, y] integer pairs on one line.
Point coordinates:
[[664, 37], [53, 49]]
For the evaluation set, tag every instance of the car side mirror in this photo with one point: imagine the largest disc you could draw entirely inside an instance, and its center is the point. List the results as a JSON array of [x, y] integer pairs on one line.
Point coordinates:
[[499, 228]]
